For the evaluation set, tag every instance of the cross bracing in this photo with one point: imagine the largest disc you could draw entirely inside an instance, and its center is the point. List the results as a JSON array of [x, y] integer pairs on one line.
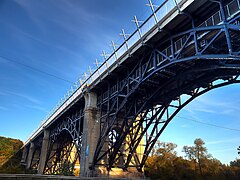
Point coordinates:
[[124, 107]]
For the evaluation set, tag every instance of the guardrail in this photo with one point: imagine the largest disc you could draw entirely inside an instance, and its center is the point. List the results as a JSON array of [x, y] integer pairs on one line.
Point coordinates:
[[77, 89]]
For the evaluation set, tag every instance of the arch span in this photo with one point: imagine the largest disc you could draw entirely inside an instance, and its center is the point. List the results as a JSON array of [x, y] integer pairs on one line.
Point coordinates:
[[65, 145], [187, 63]]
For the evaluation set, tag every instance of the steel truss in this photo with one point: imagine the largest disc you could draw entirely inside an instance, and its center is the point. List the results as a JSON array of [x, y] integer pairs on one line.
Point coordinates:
[[65, 144], [136, 109], [36, 154]]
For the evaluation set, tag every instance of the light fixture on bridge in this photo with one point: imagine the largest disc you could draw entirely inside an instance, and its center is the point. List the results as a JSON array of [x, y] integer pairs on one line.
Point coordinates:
[[97, 63], [80, 81], [90, 71], [114, 49], [85, 75], [105, 56], [71, 89], [136, 21], [98, 71], [125, 39], [153, 10]]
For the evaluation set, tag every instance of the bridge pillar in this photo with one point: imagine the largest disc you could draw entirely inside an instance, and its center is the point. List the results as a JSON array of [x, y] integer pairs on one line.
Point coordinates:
[[30, 155], [24, 156], [44, 149], [91, 129]]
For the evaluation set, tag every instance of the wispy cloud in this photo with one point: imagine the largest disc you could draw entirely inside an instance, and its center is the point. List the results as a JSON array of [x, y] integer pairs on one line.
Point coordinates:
[[232, 140], [32, 12], [72, 18], [212, 104], [3, 93], [3, 108], [39, 108], [186, 126], [223, 150], [26, 97]]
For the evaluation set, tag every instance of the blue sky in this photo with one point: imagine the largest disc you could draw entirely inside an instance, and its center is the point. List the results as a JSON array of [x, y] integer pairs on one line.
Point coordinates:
[[64, 37]]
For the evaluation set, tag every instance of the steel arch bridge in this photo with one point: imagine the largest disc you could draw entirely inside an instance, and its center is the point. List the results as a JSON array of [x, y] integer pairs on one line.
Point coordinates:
[[120, 115]]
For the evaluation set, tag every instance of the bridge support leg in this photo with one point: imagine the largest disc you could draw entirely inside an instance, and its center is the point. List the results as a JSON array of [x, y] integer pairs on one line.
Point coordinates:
[[24, 156], [44, 150], [91, 129], [30, 155]]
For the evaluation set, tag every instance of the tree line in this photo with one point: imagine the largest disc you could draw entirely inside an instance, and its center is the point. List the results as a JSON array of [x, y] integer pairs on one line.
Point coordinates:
[[164, 164], [8, 147], [10, 155]]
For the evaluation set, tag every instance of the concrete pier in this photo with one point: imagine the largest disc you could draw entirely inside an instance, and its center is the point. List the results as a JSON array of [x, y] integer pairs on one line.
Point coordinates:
[[30, 155], [43, 155], [91, 128]]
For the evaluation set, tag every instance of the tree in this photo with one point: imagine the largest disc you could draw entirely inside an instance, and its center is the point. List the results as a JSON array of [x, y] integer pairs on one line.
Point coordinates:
[[165, 150], [236, 163], [164, 164], [8, 147], [160, 164], [10, 155], [197, 153]]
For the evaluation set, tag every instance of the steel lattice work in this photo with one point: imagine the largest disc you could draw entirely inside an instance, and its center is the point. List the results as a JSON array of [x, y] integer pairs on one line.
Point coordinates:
[[36, 154], [65, 144], [115, 120], [169, 74]]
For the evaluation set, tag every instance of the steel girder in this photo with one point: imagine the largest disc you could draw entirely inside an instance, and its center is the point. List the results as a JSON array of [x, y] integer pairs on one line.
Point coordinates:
[[141, 105], [64, 143]]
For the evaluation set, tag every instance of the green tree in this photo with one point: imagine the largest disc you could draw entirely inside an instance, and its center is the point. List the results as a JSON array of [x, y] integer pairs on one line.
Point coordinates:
[[164, 164], [236, 163], [197, 153], [8, 147], [10, 155]]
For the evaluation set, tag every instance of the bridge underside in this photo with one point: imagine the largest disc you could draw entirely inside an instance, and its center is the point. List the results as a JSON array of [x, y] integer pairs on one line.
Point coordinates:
[[121, 118]]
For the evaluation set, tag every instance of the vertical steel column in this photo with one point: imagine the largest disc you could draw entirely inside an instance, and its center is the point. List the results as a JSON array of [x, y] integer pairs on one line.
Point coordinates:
[[223, 15]]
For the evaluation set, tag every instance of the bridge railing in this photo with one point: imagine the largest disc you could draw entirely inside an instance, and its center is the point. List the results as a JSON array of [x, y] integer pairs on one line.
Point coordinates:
[[231, 9], [213, 20], [78, 87]]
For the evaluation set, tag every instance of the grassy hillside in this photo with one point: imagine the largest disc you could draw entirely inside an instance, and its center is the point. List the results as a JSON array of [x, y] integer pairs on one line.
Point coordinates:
[[10, 155], [8, 147]]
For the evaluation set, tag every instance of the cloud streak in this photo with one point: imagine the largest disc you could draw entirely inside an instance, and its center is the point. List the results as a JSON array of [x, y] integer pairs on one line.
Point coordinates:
[[26, 97], [3, 108], [39, 108], [233, 140], [214, 105]]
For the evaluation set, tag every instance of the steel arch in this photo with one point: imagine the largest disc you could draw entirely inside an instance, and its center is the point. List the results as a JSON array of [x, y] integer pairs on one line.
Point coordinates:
[[60, 150], [207, 52]]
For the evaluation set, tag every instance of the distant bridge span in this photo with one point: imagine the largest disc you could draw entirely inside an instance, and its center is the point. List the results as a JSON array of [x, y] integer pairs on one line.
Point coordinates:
[[110, 122]]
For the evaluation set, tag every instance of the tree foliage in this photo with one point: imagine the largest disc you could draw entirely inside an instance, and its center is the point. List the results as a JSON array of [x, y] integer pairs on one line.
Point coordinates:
[[8, 147], [197, 153], [198, 164], [10, 155]]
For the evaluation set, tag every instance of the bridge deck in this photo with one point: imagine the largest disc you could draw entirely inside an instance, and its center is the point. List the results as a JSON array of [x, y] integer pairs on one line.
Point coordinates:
[[166, 13], [168, 18]]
